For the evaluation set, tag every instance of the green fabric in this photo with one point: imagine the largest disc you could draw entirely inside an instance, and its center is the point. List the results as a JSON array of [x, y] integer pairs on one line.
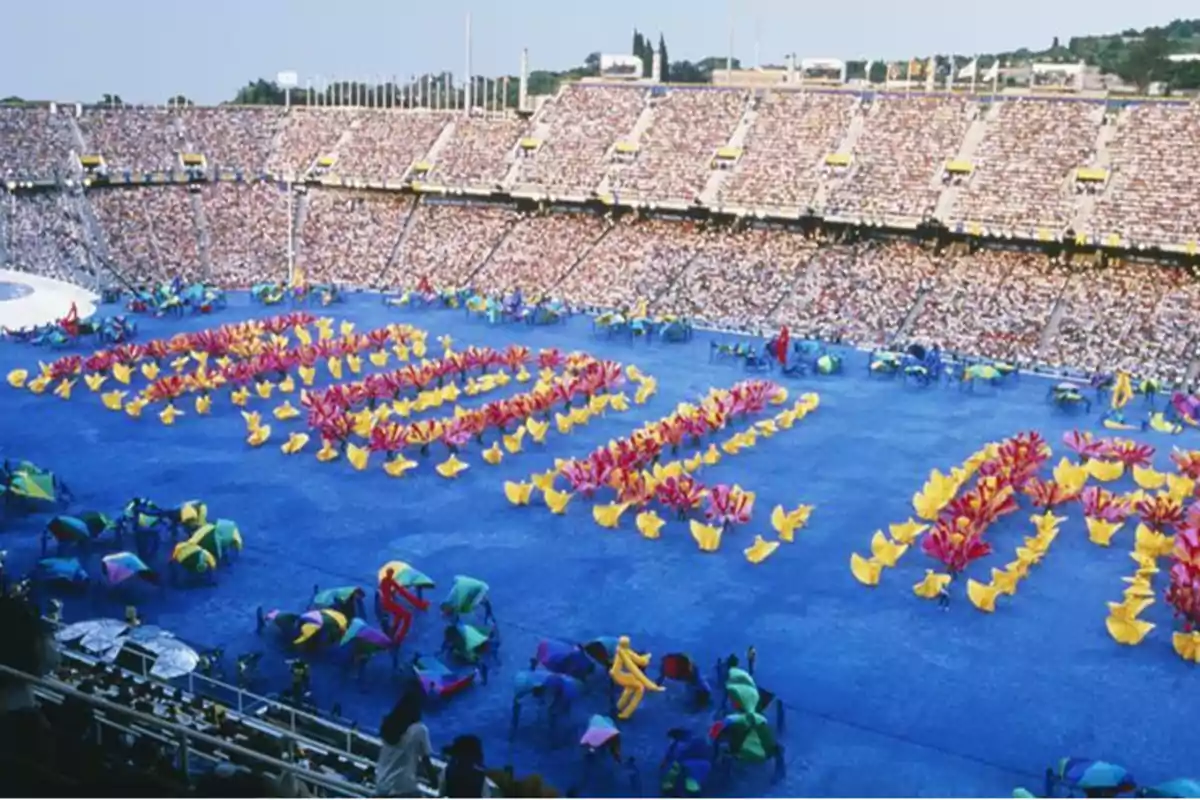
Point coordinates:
[[465, 594], [472, 638]]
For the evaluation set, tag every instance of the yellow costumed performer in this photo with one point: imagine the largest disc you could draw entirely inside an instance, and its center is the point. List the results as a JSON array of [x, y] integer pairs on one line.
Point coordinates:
[[626, 672]]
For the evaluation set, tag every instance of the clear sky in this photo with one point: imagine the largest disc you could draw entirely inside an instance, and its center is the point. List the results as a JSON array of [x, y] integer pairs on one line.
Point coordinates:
[[149, 50]]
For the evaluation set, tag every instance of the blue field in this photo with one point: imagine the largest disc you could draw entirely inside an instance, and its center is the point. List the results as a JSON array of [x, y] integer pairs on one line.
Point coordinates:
[[887, 696]]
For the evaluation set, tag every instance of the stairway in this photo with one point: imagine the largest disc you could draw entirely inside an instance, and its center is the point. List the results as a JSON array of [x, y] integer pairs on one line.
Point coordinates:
[[1193, 367], [281, 125], [845, 147], [801, 275], [913, 314], [4, 226], [711, 193], [75, 169], [338, 146], [409, 223], [1052, 324], [299, 215], [97, 241], [587, 251], [966, 152], [203, 235], [539, 129], [640, 126], [492, 252], [853, 131], [1101, 159], [666, 290], [440, 143]]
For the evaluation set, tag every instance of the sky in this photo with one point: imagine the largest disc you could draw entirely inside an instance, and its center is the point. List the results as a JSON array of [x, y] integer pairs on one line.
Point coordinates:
[[149, 50]]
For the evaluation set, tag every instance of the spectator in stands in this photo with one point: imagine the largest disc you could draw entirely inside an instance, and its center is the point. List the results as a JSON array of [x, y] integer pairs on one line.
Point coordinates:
[[287, 784], [465, 774], [29, 647], [404, 757]]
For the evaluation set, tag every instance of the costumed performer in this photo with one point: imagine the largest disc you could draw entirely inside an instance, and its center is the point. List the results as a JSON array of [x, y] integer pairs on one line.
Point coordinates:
[[627, 672], [390, 592]]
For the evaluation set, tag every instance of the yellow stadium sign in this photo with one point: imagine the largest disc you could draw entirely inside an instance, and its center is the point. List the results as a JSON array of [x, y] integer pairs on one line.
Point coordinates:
[[530, 143], [192, 159], [625, 147], [960, 167], [91, 161], [1091, 174], [325, 162], [729, 153], [421, 167], [838, 159]]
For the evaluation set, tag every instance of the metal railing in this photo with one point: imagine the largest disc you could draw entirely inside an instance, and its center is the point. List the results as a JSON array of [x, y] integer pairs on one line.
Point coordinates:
[[189, 743]]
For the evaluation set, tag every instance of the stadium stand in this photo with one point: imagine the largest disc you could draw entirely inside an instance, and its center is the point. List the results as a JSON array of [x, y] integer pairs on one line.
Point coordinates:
[[1027, 157], [1153, 189], [34, 143], [674, 153], [784, 153], [581, 123], [1016, 302], [135, 139], [900, 153]]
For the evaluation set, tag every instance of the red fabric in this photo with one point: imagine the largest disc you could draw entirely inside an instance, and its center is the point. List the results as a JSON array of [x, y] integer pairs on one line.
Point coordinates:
[[390, 593], [70, 322], [781, 345]]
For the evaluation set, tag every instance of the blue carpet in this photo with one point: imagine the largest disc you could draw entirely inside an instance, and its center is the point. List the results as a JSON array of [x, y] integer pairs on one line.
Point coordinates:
[[14, 291], [887, 696]]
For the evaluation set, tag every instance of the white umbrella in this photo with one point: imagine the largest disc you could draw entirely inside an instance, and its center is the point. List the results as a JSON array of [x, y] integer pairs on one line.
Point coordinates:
[[105, 627]]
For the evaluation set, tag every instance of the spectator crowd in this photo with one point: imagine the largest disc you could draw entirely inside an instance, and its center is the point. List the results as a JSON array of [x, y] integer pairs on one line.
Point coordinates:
[[650, 145]]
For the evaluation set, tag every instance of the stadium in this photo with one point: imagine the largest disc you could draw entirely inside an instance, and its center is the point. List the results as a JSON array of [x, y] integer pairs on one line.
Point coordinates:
[[879, 396]]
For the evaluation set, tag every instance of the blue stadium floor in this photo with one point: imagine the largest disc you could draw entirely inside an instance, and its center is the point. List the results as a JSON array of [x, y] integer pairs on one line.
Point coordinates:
[[887, 696]]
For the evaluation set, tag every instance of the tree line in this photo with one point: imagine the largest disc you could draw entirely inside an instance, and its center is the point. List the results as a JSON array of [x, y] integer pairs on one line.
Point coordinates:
[[1141, 58]]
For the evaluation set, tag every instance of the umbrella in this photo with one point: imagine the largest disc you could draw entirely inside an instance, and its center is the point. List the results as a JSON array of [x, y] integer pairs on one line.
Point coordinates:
[[601, 649], [97, 523], [120, 567], [175, 659], [465, 595], [406, 575], [564, 658], [145, 636], [193, 513], [33, 486], [540, 683], [109, 628], [749, 736], [328, 598], [68, 530], [193, 557], [217, 537], [365, 637], [322, 620], [1088, 774], [64, 570], [690, 760], [438, 680], [602, 732], [471, 640], [1180, 787], [983, 372]]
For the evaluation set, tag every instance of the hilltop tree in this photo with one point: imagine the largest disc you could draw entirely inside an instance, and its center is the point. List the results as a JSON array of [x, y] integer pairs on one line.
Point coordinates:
[[260, 93], [663, 59], [1146, 61]]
